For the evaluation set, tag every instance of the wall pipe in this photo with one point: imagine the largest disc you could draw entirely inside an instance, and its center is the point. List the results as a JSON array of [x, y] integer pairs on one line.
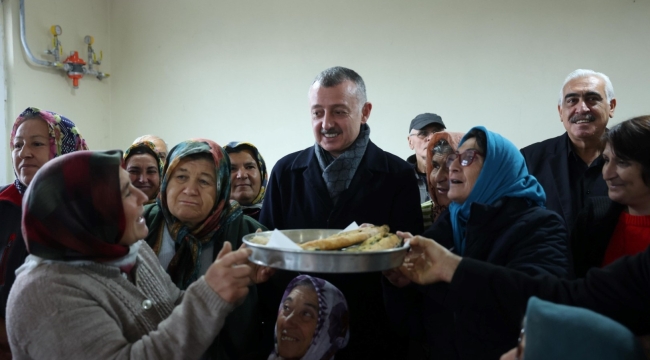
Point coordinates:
[[23, 40], [72, 65]]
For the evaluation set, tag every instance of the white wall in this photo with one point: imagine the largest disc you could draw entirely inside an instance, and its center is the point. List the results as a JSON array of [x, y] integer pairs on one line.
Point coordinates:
[[240, 70], [29, 85]]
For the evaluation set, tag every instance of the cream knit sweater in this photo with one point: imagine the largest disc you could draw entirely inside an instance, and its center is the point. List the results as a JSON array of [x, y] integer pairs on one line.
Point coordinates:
[[59, 311]]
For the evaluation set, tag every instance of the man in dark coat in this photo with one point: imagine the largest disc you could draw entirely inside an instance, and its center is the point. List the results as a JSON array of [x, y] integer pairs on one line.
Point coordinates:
[[569, 166], [343, 178]]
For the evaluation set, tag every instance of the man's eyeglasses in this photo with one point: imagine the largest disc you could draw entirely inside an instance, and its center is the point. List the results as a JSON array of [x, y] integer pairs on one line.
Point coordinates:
[[423, 134], [466, 158]]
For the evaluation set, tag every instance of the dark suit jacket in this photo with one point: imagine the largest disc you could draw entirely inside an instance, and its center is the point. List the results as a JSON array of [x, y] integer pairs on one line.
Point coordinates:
[[548, 162]]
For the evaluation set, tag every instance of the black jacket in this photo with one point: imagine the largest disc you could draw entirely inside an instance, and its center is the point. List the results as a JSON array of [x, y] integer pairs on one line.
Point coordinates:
[[383, 191], [548, 161], [511, 233], [593, 230], [620, 291]]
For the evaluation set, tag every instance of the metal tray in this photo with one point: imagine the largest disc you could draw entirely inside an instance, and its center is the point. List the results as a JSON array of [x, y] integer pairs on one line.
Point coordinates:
[[322, 261]]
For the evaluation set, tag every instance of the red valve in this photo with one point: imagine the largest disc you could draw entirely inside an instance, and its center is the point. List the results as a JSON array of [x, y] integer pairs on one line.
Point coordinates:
[[76, 71]]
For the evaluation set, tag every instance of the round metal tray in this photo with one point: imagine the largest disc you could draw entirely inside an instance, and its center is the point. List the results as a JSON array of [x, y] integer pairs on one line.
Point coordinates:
[[322, 261]]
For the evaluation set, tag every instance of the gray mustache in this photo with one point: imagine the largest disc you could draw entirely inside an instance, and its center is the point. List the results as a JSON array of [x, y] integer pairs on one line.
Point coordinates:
[[575, 118]]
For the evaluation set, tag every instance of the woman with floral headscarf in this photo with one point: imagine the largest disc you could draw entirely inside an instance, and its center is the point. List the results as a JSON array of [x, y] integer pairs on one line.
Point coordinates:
[[313, 321], [248, 177], [37, 137], [191, 220], [144, 166], [90, 289]]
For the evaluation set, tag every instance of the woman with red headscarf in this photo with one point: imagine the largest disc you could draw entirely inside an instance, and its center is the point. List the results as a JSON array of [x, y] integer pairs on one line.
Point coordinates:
[[91, 289]]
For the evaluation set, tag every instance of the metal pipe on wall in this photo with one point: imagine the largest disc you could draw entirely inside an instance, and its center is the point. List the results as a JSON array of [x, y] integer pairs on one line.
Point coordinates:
[[23, 40]]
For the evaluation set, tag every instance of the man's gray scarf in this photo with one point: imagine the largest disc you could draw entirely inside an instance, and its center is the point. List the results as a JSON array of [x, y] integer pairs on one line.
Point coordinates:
[[338, 172]]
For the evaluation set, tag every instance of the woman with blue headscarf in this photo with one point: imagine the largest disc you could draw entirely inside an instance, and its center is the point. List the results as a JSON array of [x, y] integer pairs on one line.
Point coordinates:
[[496, 215]]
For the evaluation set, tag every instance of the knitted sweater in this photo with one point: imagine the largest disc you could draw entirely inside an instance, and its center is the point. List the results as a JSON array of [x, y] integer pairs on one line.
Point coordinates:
[[59, 311], [631, 236]]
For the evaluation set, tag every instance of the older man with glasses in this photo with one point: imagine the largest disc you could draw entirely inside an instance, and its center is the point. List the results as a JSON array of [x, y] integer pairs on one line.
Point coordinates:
[[421, 131]]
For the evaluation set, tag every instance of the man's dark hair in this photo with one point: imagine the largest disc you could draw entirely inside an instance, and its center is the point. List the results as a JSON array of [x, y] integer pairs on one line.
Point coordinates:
[[338, 74], [481, 140], [629, 140]]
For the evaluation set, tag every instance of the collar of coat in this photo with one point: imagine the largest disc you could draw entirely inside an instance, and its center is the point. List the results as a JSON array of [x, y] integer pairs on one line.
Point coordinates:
[[378, 161]]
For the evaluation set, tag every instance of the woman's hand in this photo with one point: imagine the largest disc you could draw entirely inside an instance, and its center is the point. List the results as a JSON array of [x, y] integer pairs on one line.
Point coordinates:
[[259, 273], [428, 262], [227, 276]]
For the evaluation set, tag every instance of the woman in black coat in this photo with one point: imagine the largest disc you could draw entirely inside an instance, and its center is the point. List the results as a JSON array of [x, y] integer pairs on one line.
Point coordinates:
[[496, 215]]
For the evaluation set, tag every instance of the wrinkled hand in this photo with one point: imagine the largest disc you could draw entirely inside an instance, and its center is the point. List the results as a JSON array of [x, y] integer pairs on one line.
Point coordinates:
[[227, 276], [259, 273], [428, 262], [395, 276]]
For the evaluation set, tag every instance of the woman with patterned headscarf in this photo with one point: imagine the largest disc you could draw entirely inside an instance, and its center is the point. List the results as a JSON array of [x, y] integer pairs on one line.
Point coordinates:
[[313, 321], [90, 289], [144, 166], [442, 144], [37, 137], [191, 220], [248, 177]]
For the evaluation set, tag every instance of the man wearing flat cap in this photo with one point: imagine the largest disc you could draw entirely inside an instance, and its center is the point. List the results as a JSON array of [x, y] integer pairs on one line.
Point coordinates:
[[421, 131]]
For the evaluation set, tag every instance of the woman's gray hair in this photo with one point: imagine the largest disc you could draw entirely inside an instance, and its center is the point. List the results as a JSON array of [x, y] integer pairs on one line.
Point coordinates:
[[609, 89]]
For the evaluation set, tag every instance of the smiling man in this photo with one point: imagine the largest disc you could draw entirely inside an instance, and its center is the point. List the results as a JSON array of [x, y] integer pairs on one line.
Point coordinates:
[[569, 166], [344, 177]]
